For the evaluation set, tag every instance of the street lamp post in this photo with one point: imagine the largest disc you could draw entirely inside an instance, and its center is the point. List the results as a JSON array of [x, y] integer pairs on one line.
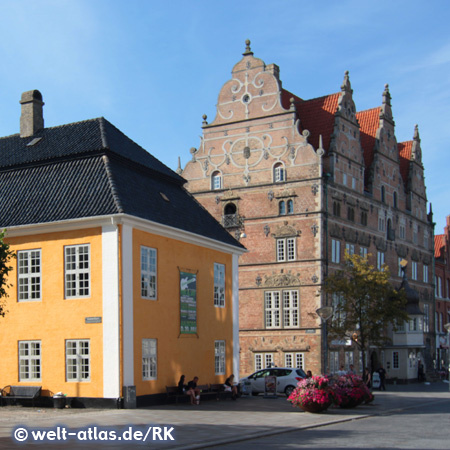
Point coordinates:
[[325, 313], [447, 327]]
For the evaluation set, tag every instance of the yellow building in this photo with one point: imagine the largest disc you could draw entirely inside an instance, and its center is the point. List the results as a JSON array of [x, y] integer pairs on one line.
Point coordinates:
[[121, 278]]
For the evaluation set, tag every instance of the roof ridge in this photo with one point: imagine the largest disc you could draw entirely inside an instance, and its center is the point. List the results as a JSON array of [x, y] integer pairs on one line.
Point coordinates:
[[322, 96], [103, 132], [368, 110], [112, 183]]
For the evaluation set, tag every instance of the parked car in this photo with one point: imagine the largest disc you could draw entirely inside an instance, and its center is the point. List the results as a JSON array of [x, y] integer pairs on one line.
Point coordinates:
[[287, 379]]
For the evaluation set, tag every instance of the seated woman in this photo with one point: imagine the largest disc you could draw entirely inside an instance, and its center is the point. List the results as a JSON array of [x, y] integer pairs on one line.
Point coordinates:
[[193, 391], [231, 387], [181, 386]]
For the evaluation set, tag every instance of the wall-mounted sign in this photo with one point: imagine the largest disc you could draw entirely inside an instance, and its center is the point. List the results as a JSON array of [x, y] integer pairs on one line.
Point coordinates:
[[188, 303], [92, 320]]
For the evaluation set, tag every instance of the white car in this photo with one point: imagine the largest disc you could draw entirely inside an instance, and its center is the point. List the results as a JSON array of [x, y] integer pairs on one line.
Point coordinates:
[[287, 379]]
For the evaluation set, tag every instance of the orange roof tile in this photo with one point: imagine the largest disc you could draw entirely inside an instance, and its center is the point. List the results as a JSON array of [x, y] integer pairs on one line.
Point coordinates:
[[439, 244], [404, 151], [369, 121], [317, 116]]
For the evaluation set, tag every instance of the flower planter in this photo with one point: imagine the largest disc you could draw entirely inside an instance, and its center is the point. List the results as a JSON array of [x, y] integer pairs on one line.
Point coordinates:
[[314, 408]]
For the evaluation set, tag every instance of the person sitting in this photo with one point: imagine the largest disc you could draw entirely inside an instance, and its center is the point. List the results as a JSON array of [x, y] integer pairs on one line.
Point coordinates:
[[231, 387], [308, 374], [193, 391], [181, 385]]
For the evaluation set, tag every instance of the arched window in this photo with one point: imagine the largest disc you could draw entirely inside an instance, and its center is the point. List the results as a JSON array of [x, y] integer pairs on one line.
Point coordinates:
[[282, 207], [230, 208], [364, 218], [279, 174], [336, 209], [290, 206], [350, 214], [216, 180]]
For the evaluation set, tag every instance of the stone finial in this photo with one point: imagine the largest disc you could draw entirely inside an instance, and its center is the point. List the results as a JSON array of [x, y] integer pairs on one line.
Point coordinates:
[[416, 136], [32, 117], [179, 169], [346, 86], [386, 107], [416, 151], [204, 117], [386, 95], [248, 50]]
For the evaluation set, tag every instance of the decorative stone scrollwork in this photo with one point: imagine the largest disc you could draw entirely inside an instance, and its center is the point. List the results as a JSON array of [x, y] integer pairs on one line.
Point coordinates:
[[282, 279], [315, 188], [315, 229], [314, 279], [286, 230], [266, 230]]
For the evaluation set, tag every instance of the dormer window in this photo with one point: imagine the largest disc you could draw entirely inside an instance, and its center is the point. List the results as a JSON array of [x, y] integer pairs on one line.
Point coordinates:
[[279, 173]]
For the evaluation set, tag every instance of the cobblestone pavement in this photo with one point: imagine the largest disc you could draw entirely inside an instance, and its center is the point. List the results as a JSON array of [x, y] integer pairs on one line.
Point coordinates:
[[209, 424]]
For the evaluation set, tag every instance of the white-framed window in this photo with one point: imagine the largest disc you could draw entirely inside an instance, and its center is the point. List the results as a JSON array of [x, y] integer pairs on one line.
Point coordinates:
[[219, 285], [348, 360], [402, 231], [415, 324], [290, 309], [281, 314], [381, 224], [353, 183], [294, 360], [350, 248], [338, 315], [216, 180], [380, 260], [77, 270], [29, 275], [414, 270], [148, 273], [334, 362], [426, 318], [425, 273], [78, 360], [401, 327], [335, 251], [29, 360], [438, 287], [344, 179], [279, 173], [415, 234], [272, 307], [149, 359], [263, 361], [286, 249], [363, 251], [395, 360], [219, 357]]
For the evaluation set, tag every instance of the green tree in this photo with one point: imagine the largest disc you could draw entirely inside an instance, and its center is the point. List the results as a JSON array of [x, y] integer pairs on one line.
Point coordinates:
[[365, 303], [6, 254]]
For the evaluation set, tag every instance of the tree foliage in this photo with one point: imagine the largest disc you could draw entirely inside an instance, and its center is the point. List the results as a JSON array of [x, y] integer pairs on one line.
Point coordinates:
[[6, 254], [365, 303]]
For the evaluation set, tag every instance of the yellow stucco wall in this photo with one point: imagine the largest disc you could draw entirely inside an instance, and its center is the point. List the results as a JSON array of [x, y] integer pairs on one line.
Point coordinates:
[[191, 355], [54, 319]]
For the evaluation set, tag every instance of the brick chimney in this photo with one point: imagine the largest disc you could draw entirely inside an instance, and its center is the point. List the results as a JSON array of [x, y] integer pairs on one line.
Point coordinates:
[[32, 117]]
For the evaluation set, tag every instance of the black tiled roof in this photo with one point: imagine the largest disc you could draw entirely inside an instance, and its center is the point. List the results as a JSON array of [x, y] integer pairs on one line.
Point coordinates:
[[76, 139], [92, 169]]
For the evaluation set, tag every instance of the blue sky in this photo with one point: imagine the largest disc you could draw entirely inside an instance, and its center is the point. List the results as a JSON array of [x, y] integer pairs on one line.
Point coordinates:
[[153, 68]]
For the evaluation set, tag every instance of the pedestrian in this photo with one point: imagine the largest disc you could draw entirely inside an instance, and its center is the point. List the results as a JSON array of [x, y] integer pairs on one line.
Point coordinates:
[[367, 377], [420, 372], [230, 386], [193, 391], [308, 374], [382, 374], [351, 370]]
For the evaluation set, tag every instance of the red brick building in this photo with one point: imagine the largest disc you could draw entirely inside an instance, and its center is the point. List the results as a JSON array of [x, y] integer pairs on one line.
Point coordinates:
[[302, 181], [442, 292]]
